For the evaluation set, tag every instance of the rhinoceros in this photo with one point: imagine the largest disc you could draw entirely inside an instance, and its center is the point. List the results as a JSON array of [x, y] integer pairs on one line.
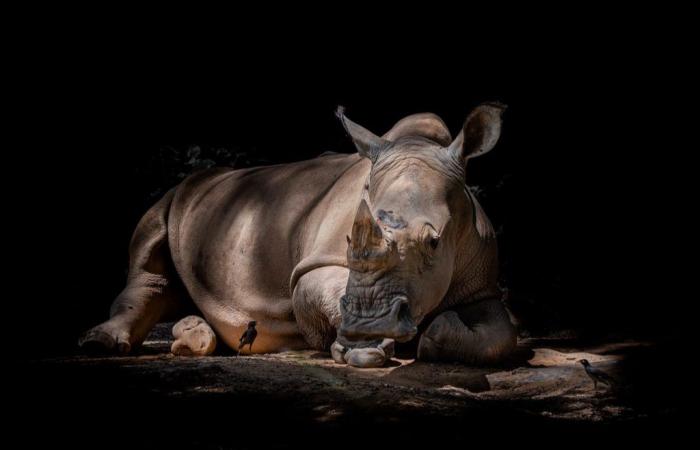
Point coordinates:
[[345, 252]]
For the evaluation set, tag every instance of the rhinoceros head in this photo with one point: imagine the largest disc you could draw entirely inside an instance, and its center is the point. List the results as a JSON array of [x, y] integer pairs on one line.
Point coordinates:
[[410, 223]]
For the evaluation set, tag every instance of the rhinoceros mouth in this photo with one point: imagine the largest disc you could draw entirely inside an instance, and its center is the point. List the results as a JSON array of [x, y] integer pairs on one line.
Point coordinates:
[[369, 328], [363, 320], [371, 309]]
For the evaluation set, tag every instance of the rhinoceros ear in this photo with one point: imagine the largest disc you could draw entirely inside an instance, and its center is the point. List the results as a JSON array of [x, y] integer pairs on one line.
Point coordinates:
[[479, 133], [368, 144], [366, 232]]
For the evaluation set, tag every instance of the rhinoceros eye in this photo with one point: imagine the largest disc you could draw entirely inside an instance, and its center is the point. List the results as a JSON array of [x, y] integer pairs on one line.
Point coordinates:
[[431, 238], [434, 241]]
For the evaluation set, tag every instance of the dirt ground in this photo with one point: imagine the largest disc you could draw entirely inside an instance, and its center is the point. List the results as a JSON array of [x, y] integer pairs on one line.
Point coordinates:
[[274, 400]]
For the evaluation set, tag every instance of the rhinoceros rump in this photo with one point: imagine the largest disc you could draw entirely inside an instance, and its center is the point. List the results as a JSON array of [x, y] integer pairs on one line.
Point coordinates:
[[347, 253]]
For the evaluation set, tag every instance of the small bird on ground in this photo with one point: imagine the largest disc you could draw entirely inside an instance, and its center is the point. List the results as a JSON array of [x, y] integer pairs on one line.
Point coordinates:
[[597, 375], [248, 337]]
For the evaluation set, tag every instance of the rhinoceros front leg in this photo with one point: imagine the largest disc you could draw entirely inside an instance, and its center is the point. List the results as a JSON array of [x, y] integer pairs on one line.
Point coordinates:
[[317, 311], [479, 333], [315, 302]]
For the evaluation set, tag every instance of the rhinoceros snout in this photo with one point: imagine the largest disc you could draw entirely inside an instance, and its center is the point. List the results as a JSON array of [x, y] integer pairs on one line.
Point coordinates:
[[364, 320]]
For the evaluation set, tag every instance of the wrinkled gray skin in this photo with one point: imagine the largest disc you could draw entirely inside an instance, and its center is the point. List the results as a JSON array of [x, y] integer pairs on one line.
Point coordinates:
[[343, 252]]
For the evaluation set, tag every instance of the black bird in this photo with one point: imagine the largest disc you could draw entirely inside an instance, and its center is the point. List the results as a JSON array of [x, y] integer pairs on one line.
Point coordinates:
[[248, 337], [597, 375]]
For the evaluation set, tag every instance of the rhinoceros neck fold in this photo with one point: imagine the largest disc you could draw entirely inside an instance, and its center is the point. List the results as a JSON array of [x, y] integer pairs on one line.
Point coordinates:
[[314, 262]]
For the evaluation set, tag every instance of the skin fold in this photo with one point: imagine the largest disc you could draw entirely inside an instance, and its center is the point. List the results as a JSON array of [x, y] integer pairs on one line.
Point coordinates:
[[347, 253]]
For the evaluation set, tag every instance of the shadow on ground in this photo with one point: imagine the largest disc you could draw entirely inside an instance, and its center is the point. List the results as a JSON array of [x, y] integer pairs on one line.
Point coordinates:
[[156, 400]]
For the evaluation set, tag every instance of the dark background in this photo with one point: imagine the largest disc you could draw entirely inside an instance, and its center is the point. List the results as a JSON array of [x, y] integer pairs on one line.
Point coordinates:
[[591, 184], [582, 185]]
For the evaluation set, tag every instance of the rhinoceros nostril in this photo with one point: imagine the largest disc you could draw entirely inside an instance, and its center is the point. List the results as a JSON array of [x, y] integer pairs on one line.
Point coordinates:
[[404, 311], [399, 304]]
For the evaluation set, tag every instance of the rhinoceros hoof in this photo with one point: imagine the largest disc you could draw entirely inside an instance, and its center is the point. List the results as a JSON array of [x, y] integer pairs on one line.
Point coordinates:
[[193, 337], [338, 353], [364, 357], [430, 345], [106, 338]]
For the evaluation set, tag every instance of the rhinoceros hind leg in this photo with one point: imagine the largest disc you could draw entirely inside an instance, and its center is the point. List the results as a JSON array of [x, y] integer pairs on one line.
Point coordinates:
[[193, 337], [152, 292], [479, 333], [108, 337]]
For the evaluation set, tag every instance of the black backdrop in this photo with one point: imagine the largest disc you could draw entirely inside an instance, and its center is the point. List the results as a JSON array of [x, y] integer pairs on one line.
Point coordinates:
[[578, 184]]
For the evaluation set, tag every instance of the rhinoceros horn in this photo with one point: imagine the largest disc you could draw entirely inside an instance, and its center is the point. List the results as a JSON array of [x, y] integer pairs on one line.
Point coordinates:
[[368, 144], [366, 232], [479, 133]]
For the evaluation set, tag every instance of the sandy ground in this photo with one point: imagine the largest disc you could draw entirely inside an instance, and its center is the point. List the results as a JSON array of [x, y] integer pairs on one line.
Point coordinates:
[[543, 387]]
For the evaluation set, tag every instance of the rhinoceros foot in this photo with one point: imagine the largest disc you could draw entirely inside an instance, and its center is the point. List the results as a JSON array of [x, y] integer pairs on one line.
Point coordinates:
[[193, 337], [374, 354], [108, 337]]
